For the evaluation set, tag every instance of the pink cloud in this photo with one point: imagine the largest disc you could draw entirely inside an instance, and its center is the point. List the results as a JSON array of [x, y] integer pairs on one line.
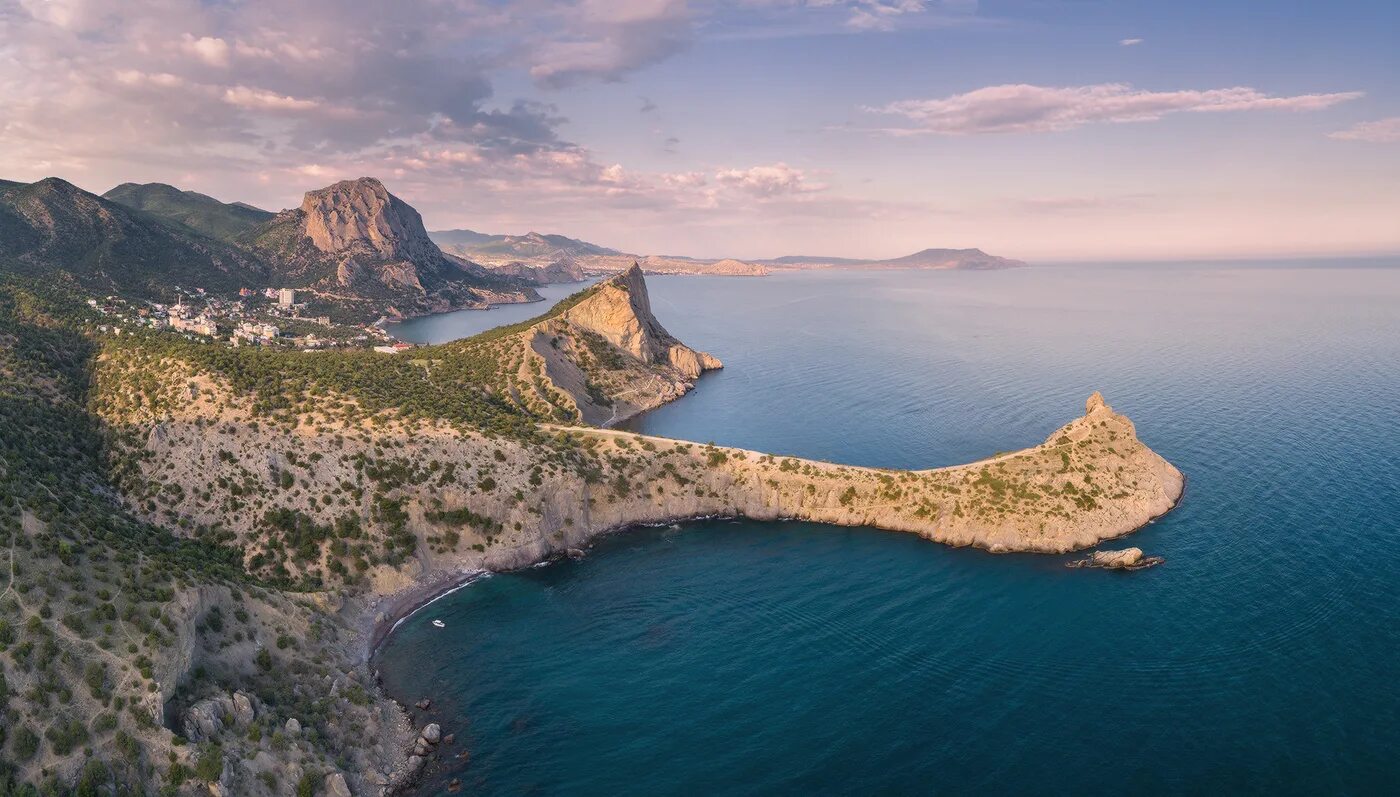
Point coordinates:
[[1021, 108], [1381, 131]]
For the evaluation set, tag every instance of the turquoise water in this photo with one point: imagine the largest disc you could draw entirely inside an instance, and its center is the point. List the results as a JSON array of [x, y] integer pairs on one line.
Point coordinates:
[[745, 658], [443, 327]]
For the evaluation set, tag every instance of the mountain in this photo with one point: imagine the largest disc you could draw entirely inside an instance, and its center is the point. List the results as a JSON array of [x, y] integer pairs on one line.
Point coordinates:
[[204, 214], [564, 269], [928, 259], [492, 249], [619, 312], [52, 227], [512, 252], [356, 242]]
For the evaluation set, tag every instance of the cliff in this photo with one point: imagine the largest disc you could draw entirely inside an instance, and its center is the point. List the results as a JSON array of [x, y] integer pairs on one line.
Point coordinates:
[[356, 244]]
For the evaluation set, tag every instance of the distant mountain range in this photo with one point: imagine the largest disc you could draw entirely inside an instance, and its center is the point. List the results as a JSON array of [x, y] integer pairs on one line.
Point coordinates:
[[970, 259], [355, 250], [539, 250]]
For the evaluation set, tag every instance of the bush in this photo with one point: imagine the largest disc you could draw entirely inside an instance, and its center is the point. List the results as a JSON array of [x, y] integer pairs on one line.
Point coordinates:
[[24, 745], [66, 736], [210, 766]]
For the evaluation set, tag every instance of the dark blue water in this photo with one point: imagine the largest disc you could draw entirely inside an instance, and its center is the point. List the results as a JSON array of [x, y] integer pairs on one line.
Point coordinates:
[[745, 658]]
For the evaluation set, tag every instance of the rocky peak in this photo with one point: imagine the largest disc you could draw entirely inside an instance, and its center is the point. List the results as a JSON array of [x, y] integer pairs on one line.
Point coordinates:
[[1096, 403], [361, 217], [620, 311]]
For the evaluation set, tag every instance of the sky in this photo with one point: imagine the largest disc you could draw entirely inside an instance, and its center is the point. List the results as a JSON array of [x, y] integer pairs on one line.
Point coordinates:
[[1037, 129]]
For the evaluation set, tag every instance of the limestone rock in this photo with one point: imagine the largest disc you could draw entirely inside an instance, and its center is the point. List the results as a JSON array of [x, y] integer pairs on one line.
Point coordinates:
[[432, 733], [1124, 558], [293, 727], [243, 710], [1096, 403], [620, 312], [361, 216], [204, 719], [335, 786]]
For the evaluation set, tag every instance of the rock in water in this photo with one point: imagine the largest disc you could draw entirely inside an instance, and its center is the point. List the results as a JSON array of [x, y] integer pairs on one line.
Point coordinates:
[[1124, 558]]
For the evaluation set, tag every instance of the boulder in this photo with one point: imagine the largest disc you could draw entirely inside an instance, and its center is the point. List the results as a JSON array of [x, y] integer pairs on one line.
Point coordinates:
[[432, 733], [1127, 557], [335, 786], [423, 705], [293, 727], [244, 712], [205, 719]]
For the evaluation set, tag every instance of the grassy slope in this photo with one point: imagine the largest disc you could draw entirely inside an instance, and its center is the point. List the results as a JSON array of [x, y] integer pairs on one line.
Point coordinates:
[[52, 228], [203, 214]]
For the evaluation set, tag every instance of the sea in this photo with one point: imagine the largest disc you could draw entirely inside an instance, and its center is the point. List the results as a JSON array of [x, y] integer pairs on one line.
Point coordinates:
[[730, 657]]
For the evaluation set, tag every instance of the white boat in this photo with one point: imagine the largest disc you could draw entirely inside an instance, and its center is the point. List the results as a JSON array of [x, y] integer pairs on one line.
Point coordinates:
[[439, 624]]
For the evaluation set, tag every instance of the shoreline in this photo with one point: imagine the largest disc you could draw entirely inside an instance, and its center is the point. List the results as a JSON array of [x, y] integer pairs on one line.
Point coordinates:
[[414, 598]]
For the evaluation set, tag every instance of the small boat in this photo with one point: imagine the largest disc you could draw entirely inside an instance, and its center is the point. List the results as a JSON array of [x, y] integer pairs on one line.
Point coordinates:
[[439, 624]]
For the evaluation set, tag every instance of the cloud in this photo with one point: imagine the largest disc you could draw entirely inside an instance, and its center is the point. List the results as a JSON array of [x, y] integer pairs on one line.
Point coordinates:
[[606, 39], [258, 99], [1022, 108], [209, 49], [870, 15], [1130, 42], [767, 181], [1381, 131]]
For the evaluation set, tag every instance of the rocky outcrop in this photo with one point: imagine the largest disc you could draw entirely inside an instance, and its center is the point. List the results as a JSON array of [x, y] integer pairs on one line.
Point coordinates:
[[355, 244], [362, 217], [620, 312], [1125, 559], [207, 718]]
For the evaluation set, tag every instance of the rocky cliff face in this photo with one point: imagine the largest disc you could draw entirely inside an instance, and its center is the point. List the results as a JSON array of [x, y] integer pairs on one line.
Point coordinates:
[[360, 217], [620, 312], [354, 242]]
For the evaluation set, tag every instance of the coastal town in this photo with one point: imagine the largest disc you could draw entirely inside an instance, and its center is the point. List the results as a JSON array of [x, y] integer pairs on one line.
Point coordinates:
[[270, 317]]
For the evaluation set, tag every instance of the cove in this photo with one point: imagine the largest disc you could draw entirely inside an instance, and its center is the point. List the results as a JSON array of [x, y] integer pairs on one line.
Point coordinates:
[[791, 658]]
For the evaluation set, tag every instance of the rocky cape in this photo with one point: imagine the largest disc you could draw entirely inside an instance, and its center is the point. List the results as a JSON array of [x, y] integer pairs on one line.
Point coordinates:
[[315, 485]]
